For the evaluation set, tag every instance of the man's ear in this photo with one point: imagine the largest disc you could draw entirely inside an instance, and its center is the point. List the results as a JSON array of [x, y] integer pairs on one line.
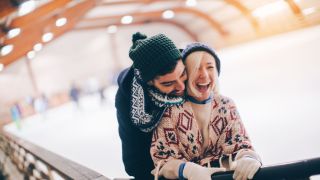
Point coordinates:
[[150, 83]]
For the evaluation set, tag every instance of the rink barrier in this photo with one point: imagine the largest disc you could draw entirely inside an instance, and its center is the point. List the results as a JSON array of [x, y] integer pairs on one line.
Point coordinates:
[[34, 162], [299, 170]]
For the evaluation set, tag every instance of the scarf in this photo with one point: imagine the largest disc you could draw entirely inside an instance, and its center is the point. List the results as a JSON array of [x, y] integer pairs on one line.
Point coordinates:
[[144, 95]]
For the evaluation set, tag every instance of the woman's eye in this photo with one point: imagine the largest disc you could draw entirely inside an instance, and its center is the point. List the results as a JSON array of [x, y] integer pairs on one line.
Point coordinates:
[[210, 67]]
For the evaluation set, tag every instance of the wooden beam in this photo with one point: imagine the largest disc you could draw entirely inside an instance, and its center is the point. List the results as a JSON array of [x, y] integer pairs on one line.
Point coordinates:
[[39, 14], [32, 34], [193, 36], [245, 11], [212, 23], [294, 7]]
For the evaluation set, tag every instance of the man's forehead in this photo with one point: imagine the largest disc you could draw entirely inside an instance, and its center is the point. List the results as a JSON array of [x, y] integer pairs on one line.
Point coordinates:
[[174, 75]]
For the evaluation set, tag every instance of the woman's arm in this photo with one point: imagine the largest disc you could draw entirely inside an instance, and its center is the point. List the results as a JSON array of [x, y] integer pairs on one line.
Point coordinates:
[[236, 144]]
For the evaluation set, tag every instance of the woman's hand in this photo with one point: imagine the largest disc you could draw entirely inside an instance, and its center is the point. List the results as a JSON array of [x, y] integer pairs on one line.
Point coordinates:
[[245, 168], [194, 171]]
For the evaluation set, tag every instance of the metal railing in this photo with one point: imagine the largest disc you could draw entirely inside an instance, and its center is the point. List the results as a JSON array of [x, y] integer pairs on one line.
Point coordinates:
[[294, 170], [34, 162]]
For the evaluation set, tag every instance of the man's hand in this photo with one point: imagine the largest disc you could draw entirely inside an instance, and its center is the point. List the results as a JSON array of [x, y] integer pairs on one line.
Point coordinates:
[[245, 168]]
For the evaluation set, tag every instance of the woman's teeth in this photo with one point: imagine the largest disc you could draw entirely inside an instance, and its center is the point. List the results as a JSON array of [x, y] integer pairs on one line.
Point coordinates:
[[202, 87]]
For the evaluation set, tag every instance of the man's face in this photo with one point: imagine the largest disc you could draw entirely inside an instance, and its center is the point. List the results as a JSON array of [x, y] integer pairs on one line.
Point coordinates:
[[172, 83]]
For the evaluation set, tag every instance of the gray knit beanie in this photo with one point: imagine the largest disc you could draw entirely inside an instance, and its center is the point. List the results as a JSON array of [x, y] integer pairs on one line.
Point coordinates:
[[197, 46]]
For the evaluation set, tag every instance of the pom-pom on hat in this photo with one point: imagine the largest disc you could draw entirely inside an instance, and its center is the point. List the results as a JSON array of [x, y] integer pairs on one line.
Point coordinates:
[[197, 46], [153, 54]]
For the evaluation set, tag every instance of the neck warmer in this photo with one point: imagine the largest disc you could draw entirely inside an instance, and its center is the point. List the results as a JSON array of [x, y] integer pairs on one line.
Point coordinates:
[[143, 95]]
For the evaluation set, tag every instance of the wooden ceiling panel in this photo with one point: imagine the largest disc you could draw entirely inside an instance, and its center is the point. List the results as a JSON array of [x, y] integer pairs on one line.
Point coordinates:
[[32, 33]]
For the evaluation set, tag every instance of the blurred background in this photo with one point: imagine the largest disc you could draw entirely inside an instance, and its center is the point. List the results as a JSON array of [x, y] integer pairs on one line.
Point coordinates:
[[60, 60]]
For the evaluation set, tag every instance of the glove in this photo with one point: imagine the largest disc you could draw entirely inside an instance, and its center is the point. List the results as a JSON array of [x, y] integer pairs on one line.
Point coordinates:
[[194, 171], [245, 168]]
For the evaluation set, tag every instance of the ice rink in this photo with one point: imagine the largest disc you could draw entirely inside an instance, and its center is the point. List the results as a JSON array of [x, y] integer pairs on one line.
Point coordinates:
[[275, 83]]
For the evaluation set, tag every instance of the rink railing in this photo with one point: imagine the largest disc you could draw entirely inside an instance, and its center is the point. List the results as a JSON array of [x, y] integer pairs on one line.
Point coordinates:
[[34, 162], [300, 170]]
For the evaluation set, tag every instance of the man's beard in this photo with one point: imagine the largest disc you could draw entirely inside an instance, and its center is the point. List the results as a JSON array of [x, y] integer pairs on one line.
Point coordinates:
[[162, 99]]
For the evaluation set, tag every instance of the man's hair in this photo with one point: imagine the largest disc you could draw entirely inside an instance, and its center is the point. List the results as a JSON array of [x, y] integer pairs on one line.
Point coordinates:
[[168, 69]]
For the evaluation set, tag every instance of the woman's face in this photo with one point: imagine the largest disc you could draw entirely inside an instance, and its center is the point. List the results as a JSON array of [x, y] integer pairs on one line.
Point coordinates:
[[201, 81]]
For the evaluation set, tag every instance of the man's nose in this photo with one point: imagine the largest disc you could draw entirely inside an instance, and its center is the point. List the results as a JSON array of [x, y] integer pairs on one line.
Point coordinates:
[[180, 85]]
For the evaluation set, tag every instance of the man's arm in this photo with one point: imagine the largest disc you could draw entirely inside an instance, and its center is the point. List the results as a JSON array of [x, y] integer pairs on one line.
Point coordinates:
[[135, 150], [135, 144]]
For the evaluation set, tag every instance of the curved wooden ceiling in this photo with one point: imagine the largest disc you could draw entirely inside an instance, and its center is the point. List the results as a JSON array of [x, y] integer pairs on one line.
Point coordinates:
[[43, 18]]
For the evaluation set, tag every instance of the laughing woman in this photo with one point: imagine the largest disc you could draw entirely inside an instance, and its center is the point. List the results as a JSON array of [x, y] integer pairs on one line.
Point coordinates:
[[204, 135]]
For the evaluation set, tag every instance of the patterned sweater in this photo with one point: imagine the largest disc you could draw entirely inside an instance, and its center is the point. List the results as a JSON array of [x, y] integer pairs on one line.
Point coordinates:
[[178, 135]]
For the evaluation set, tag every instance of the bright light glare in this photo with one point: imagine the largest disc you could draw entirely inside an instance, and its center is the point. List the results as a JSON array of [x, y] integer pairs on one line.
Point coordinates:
[[47, 37], [191, 3], [37, 47], [31, 54], [5, 50], [13, 33], [61, 21], [126, 19], [168, 14], [26, 7], [309, 11], [269, 9]]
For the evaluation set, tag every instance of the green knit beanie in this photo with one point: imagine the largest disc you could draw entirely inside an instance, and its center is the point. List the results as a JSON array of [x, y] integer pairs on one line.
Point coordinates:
[[153, 54]]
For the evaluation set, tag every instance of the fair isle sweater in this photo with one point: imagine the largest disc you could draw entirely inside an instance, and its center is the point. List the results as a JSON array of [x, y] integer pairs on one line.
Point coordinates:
[[178, 135]]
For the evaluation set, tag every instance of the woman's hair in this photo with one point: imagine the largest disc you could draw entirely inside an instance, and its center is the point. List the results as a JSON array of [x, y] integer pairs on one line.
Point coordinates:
[[192, 63]]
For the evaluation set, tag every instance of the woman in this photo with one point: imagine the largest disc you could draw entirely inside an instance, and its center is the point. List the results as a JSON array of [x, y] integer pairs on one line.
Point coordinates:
[[205, 131]]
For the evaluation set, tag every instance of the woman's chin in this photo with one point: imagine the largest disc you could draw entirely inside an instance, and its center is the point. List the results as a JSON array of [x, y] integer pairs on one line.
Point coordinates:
[[204, 93], [203, 96]]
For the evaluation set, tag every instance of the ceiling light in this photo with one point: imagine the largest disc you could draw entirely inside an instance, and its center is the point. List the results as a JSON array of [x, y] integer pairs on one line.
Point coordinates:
[[61, 21], [126, 19], [47, 37], [269, 9], [26, 7], [1, 67], [191, 3], [5, 50], [112, 29], [13, 33], [31, 54], [309, 11], [37, 47], [168, 14]]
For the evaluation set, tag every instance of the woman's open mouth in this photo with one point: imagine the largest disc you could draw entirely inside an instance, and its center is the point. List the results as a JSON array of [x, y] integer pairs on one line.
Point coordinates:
[[203, 87]]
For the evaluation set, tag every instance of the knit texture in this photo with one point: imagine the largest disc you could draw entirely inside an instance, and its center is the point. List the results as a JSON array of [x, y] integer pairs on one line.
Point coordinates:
[[197, 46], [179, 137], [151, 55]]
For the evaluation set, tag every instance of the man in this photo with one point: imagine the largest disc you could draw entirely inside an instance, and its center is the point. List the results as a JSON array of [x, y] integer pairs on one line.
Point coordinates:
[[154, 82]]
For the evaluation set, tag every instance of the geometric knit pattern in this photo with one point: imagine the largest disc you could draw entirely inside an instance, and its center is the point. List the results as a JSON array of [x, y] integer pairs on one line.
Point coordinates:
[[138, 114], [145, 121], [178, 136]]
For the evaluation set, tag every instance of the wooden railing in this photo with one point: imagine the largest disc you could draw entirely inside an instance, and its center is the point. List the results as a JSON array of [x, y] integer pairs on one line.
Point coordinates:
[[34, 162]]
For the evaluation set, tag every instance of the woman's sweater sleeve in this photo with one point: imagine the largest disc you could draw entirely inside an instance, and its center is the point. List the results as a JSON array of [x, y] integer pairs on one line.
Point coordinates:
[[234, 137], [165, 142]]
